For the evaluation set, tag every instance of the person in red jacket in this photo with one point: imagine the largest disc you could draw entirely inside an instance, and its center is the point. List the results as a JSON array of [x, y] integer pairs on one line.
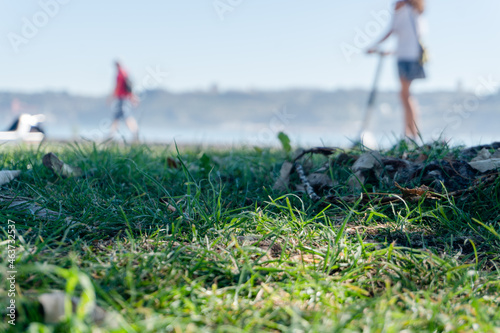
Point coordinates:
[[122, 94]]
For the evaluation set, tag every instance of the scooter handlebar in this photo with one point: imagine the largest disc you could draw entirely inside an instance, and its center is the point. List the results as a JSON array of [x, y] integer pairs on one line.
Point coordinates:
[[379, 52]]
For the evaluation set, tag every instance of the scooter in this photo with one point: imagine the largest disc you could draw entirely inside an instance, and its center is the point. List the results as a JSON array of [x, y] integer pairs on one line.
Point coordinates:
[[370, 106]]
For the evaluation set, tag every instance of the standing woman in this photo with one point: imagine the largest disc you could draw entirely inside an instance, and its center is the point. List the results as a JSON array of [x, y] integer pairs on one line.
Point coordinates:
[[406, 27]]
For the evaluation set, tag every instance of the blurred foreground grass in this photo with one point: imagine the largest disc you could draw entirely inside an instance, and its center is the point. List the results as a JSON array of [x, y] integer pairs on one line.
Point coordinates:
[[197, 240]]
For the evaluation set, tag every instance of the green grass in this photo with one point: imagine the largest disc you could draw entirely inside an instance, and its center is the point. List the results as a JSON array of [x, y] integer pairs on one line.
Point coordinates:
[[237, 256]]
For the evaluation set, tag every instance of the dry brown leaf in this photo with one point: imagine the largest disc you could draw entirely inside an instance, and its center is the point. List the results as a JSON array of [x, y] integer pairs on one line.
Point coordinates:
[[53, 163], [485, 165], [307, 258], [320, 180], [282, 182], [364, 164], [172, 163], [421, 158], [169, 206], [6, 176], [274, 249], [368, 161], [496, 154], [484, 154], [54, 312], [421, 191], [25, 205]]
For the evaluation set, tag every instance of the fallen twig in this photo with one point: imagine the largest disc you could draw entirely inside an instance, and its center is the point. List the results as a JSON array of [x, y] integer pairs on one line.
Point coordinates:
[[318, 150], [306, 183]]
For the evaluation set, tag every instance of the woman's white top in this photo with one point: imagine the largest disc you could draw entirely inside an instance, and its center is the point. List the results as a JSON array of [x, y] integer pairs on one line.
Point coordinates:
[[406, 26]]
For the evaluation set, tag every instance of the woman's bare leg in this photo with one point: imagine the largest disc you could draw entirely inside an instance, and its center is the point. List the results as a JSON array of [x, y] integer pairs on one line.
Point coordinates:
[[410, 108], [114, 128], [133, 127]]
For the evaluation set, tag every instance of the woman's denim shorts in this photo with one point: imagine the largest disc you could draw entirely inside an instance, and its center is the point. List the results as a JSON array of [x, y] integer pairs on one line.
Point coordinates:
[[410, 70]]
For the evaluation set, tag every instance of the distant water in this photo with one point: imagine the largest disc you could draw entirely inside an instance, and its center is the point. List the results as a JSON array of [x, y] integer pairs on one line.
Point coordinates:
[[309, 117], [342, 135]]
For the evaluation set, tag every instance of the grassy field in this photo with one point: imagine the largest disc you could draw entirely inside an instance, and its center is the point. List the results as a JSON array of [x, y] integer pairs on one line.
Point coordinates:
[[197, 240]]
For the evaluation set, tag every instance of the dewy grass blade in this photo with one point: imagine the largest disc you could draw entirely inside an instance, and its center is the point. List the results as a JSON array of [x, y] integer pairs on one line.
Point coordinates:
[[340, 233], [489, 228]]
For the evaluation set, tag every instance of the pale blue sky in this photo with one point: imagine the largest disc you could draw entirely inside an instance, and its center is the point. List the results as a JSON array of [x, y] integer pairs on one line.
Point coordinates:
[[260, 44]]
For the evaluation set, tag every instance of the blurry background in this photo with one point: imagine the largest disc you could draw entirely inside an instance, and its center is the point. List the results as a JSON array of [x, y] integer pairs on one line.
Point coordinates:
[[240, 71]]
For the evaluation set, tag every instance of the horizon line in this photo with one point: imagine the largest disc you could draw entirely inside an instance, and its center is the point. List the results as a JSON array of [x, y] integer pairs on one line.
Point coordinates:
[[212, 91]]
